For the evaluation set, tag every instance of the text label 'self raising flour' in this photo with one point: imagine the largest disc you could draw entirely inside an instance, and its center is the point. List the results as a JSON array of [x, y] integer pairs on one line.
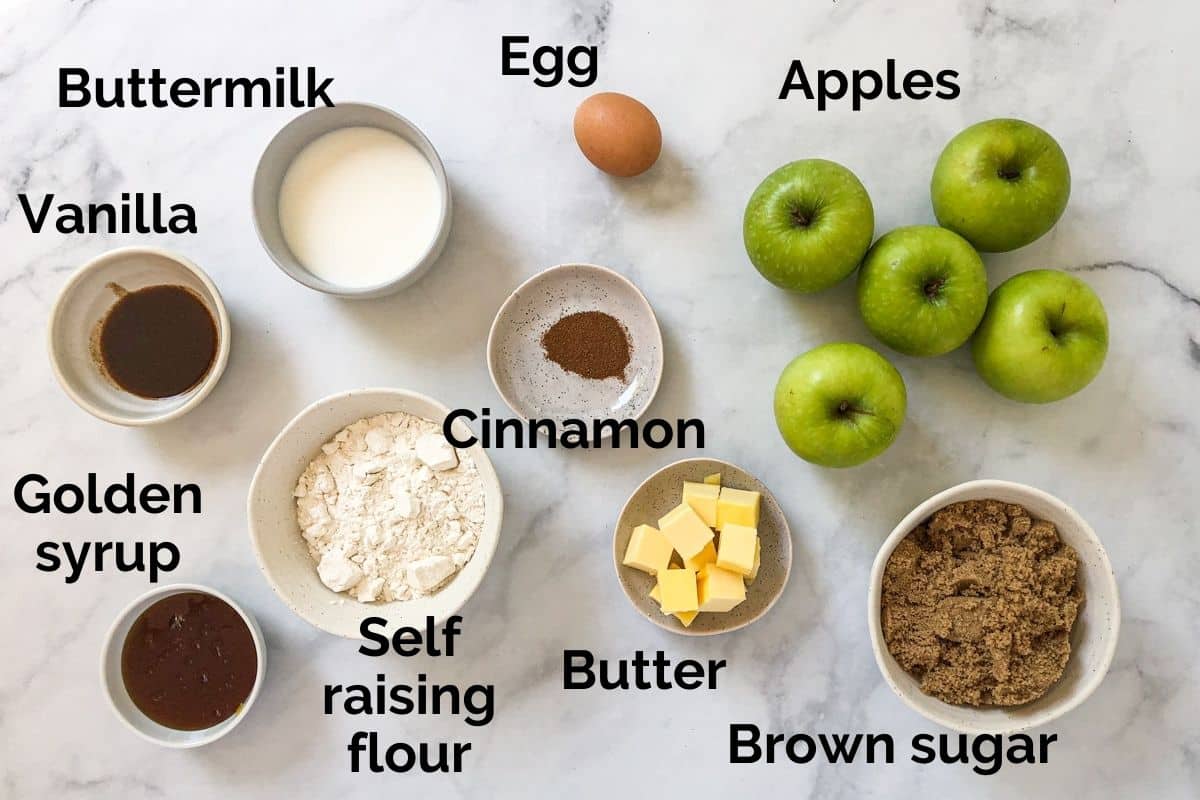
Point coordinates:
[[475, 703]]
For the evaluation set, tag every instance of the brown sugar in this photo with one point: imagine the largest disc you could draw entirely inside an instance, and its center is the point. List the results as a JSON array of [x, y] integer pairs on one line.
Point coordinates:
[[978, 604], [589, 343]]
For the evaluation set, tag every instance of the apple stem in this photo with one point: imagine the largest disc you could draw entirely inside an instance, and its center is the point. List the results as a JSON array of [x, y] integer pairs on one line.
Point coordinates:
[[933, 287], [1056, 325], [847, 409], [800, 219]]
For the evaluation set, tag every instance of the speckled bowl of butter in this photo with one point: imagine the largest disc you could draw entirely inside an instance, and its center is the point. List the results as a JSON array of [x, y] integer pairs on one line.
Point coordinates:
[[657, 497], [284, 553]]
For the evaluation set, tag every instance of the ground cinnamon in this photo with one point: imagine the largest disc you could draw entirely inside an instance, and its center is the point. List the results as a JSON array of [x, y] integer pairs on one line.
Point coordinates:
[[589, 343]]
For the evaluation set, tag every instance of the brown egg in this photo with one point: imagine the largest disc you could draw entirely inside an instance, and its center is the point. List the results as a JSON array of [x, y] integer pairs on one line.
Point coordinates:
[[618, 134]]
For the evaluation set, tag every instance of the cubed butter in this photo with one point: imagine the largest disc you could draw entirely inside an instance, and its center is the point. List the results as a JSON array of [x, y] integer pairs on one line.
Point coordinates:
[[737, 547], [656, 596], [737, 506], [706, 556], [719, 589], [702, 497], [648, 550], [757, 561], [714, 479], [686, 617], [685, 530], [677, 590]]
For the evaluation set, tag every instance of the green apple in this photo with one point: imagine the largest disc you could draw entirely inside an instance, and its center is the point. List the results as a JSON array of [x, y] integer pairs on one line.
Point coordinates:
[[1043, 337], [808, 224], [922, 290], [839, 404], [1001, 184]]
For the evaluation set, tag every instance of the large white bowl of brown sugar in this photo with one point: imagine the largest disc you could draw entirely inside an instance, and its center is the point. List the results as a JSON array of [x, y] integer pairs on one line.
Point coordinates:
[[993, 608]]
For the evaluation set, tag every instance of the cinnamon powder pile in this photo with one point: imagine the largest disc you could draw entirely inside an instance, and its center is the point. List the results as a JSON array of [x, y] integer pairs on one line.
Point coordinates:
[[589, 343]]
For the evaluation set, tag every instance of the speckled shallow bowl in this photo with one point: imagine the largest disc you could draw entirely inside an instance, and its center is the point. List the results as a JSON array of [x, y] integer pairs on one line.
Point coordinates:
[[534, 386], [1093, 639], [657, 495]]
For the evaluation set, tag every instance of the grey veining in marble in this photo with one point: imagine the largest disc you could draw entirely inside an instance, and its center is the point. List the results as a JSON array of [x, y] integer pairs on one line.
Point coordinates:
[[1113, 81]]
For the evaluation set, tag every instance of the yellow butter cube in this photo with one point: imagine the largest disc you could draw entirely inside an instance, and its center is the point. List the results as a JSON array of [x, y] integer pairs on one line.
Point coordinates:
[[656, 596], [714, 479], [648, 550], [737, 506], [757, 561], [737, 547], [677, 590], [706, 556], [686, 532], [702, 497], [719, 589], [686, 617]]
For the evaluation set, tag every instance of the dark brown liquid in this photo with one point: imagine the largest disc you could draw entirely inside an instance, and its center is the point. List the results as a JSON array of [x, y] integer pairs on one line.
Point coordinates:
[[189, 661], [158, 341]]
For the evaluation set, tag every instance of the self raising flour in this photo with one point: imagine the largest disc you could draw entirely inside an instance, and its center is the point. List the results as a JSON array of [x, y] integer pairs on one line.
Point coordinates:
[[390, 511]]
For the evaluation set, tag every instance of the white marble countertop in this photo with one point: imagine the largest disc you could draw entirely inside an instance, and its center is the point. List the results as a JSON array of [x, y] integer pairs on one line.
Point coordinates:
[[1112, 81]]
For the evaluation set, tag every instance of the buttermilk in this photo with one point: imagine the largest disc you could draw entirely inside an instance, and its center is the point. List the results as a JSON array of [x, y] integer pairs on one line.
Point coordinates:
[[135, 213], [289, 87]]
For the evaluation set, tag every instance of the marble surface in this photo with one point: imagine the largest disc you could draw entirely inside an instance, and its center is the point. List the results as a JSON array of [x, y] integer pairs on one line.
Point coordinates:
[[1110, 80]]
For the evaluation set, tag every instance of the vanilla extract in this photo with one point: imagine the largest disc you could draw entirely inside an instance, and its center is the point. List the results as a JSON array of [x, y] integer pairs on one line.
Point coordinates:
[[155, 342], [135, 213]]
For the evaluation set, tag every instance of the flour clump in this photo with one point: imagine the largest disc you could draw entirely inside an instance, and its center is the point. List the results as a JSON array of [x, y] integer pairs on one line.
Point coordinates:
[[389, 510]]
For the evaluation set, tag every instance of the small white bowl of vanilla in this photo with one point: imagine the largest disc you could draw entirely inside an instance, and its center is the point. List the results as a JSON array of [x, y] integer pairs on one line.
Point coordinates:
[[352, 200]]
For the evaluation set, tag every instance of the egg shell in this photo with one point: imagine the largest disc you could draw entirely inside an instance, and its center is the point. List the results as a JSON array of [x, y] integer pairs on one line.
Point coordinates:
[[617, 134]]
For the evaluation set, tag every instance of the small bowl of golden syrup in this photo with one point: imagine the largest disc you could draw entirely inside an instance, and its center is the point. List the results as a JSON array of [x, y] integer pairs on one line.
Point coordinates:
[[139, 336], [182, 664]]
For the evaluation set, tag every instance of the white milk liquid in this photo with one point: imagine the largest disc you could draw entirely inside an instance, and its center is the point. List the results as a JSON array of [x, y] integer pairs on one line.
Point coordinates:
[[359, 206]]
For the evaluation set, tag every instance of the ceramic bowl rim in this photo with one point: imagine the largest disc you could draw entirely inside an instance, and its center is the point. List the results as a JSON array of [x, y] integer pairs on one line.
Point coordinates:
[[217, 731], [291, 266], [485, 548], [505, 307], [199, 392], [684, 631], [977, 489]]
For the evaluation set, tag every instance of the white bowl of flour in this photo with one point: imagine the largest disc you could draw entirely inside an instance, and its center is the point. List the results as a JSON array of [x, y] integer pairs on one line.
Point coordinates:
[[356, 511]]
